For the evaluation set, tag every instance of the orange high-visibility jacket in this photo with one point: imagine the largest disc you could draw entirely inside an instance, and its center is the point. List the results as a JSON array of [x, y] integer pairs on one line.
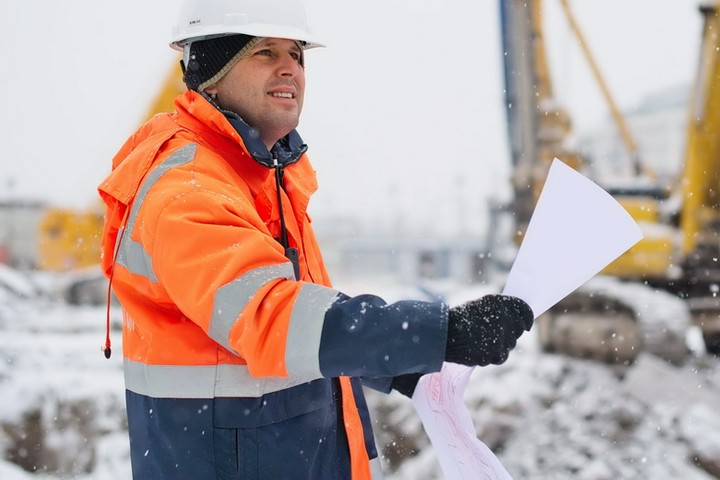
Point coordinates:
[[211, 305]]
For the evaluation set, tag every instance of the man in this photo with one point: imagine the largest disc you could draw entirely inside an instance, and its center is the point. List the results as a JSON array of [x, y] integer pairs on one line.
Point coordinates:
[[240, 359]]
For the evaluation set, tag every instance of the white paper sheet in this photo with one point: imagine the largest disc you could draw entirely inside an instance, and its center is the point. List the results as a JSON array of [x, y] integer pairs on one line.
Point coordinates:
[[576, 230], [447, 422]]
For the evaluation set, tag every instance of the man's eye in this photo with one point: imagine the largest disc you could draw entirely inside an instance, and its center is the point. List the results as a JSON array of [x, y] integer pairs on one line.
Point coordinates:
[[264, 52]]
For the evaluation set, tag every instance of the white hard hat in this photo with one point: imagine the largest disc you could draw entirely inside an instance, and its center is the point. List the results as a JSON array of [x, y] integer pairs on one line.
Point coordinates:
[[203, 19]]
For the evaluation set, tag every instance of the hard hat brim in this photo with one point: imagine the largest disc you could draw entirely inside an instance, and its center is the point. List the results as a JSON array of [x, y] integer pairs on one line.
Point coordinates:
[[255, 30]]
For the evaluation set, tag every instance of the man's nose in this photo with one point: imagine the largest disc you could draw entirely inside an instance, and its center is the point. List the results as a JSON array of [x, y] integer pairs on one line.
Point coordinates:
[[288, 65]]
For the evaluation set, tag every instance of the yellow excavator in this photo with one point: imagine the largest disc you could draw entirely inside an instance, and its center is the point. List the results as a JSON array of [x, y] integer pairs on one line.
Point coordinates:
[[69, 239], [680, 251]]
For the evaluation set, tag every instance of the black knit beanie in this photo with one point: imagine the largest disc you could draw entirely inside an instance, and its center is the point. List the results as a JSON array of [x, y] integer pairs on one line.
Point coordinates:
[[209, 60]]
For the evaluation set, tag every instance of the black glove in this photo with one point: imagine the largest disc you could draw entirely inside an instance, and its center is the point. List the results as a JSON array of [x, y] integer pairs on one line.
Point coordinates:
[[483, 331], [406, 383]]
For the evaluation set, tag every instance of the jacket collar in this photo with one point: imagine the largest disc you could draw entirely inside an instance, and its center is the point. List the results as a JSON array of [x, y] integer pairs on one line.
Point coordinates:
[[199, 119], [227, 132], [287, 150]]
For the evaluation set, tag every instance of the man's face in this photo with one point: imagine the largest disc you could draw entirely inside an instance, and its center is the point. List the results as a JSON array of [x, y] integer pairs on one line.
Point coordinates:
[[266, 88]]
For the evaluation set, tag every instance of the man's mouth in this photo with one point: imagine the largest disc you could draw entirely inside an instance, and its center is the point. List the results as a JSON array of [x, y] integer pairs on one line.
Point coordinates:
[[282, 95]]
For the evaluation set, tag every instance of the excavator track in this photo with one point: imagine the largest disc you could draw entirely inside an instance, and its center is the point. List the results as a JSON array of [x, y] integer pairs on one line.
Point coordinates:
[[612, 321], [705, 313], [677, 263]]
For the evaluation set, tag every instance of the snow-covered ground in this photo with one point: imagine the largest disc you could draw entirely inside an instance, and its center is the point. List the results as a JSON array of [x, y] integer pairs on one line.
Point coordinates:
[[546, 416]]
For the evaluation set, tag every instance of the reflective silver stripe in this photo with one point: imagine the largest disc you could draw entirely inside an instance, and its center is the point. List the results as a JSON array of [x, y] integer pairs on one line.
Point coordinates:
[[200, 381], [302, 354], [231, 299], [132, 254]]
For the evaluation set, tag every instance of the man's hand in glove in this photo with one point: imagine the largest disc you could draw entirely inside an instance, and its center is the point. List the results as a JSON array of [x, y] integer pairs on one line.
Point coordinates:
[[406, 383], [483, 331]]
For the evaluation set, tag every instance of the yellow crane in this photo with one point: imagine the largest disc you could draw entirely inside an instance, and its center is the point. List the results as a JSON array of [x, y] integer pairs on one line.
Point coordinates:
[[69, 239], [538, 129]]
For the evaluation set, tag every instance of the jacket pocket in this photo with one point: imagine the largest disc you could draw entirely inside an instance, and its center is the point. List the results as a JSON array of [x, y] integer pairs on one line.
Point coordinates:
[[293, 437]]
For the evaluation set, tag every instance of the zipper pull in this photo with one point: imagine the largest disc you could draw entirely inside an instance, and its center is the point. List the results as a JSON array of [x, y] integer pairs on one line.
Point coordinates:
[[292, 254]]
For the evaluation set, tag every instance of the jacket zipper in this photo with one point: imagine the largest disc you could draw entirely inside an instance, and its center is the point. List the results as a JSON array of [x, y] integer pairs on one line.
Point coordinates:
[[290, 252]]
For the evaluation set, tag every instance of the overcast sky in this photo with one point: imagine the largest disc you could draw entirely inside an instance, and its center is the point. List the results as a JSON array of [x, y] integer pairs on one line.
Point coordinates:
[[403, 114]]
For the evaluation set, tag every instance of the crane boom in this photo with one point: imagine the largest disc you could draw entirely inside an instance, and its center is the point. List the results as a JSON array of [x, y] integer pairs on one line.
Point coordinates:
[[680, 252]]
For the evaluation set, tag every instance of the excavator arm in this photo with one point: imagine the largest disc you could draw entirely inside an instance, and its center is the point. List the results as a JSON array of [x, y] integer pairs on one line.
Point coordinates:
[[590, 324], [700, 187]]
